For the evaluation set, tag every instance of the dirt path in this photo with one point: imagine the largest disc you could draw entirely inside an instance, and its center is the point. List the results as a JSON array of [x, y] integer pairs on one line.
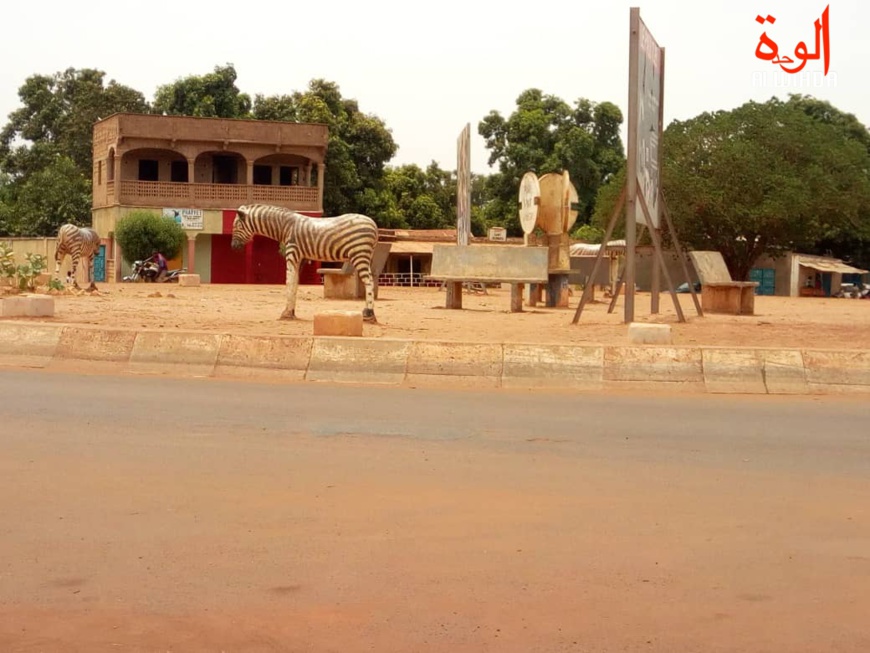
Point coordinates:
[[418, 313]]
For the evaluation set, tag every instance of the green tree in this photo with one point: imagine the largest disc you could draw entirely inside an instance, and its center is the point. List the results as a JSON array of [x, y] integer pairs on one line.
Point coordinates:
[[213, 95], [360, 145], [51, 197], [546, 134], [141, 232], [425, 199], [763, 179], [851, 244], [57, 117]]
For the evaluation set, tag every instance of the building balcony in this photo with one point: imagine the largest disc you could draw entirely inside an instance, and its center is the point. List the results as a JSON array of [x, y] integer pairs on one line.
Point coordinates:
[[166, 194]]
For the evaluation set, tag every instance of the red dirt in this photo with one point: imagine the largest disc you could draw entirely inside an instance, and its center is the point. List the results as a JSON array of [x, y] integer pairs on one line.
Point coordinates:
[[419, 314]]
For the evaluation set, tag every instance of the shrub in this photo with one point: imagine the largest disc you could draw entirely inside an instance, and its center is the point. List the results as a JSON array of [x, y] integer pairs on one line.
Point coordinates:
[[27, 273], [141, 232], [7, 261]]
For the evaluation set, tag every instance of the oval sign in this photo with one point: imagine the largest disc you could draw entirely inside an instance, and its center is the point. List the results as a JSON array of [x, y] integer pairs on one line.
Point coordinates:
[[572, 199], [530, 197]]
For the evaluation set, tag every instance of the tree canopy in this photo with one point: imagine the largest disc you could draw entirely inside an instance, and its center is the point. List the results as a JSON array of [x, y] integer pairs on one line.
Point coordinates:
[[764, 178], [761, 178], [546, 134], [213, 95]]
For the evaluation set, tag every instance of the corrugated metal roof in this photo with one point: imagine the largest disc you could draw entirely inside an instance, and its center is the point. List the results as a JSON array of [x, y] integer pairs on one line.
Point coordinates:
[[411, 247], [825, 264]]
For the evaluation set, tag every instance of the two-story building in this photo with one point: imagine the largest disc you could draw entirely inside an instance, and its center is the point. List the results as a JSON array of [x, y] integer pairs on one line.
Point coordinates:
[[198, 171]]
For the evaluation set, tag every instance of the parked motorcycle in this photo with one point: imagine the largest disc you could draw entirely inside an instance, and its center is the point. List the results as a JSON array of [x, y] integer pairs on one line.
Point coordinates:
[[147, 271], [854, 291]]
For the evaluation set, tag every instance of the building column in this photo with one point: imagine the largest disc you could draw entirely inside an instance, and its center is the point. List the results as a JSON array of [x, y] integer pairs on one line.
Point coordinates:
[[191, 253], [117, 254], [191, 177], [117, 179], [321, 177], [308, 174], [249, 181]]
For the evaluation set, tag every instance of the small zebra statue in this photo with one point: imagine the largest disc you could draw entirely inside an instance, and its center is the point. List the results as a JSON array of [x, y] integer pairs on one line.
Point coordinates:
[[77, 242], [349, 237]]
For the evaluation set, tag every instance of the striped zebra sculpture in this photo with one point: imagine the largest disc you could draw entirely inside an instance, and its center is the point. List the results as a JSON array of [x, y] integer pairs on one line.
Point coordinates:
[[349, 237], [79, 243]]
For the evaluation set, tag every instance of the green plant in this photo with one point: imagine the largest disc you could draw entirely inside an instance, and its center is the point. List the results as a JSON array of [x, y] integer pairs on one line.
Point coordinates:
[[7, 261], [55, 284], [139, 233], [28, 272]]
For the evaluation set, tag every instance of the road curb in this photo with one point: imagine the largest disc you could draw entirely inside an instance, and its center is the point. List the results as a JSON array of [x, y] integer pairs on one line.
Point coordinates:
[[712, 370]]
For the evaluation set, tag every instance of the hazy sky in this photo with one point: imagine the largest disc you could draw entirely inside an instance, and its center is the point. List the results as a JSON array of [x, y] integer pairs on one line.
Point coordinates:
[[427, 69]]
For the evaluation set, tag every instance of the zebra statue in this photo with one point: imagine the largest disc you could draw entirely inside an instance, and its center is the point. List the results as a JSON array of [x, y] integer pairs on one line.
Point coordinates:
[[349, 237], [77, 242]]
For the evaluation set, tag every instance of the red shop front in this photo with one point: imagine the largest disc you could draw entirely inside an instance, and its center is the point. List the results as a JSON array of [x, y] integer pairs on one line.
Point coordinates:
[[259, 262]]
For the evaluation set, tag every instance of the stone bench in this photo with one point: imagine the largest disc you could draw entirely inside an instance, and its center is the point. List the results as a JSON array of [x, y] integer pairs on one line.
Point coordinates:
[[719, 293], [344, 282], [484, 264]]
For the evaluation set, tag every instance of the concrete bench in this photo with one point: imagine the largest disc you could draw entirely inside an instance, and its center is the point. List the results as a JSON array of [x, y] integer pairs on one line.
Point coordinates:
[[344, 282], [719, 294], [484, 264]]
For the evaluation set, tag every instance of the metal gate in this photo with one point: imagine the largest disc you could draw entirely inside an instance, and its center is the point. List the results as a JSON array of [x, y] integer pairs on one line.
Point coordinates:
[[766, 278]]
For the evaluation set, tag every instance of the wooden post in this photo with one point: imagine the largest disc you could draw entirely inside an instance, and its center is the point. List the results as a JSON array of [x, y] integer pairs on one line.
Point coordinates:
[[681, 254], [616, 292], [657, 245], [454, 294], [587, 291], [631, 166], [517, 297], [655, 288], [656, 279]]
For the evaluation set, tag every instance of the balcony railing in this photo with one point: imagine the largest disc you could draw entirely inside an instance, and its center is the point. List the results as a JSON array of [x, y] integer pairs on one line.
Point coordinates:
[[185, 195]]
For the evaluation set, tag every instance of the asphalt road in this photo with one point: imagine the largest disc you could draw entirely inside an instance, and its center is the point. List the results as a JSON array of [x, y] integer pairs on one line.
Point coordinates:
[[156, 514]]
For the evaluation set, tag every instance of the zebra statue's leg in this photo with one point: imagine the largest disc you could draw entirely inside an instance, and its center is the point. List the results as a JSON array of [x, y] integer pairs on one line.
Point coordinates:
[[292, 285], [93, 285], [75, 267], [363, 267], [59, 255]]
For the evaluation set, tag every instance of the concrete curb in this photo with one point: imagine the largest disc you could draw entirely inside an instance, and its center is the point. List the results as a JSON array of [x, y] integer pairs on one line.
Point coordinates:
[[714, 370]]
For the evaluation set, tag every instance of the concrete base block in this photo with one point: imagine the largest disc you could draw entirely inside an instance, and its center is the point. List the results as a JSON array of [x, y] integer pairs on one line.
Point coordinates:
[[649, 334], [338, 323], [190, 280], [39, 306], [13, 307], [27, 306]]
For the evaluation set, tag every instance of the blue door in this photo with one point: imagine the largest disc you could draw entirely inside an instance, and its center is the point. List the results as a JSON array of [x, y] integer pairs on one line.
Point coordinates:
[[826, 283], [766, 278], [100, 265]]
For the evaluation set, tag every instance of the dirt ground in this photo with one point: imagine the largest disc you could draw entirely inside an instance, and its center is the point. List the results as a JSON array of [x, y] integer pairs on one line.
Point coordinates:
[[419, 313]]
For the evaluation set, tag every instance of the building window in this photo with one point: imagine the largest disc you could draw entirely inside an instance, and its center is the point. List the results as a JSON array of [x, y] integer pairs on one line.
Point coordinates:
[[263, 175], [289, 176], [179, 172], [148, 170], [225, 170], [99, 173]]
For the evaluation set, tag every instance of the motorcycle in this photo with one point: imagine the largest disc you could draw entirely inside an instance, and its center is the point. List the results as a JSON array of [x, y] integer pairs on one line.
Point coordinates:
[[853, 291], [147, 272]]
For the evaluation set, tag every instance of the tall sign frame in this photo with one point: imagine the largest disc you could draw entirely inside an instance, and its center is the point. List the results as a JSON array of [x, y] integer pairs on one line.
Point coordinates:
[[642, 196]]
